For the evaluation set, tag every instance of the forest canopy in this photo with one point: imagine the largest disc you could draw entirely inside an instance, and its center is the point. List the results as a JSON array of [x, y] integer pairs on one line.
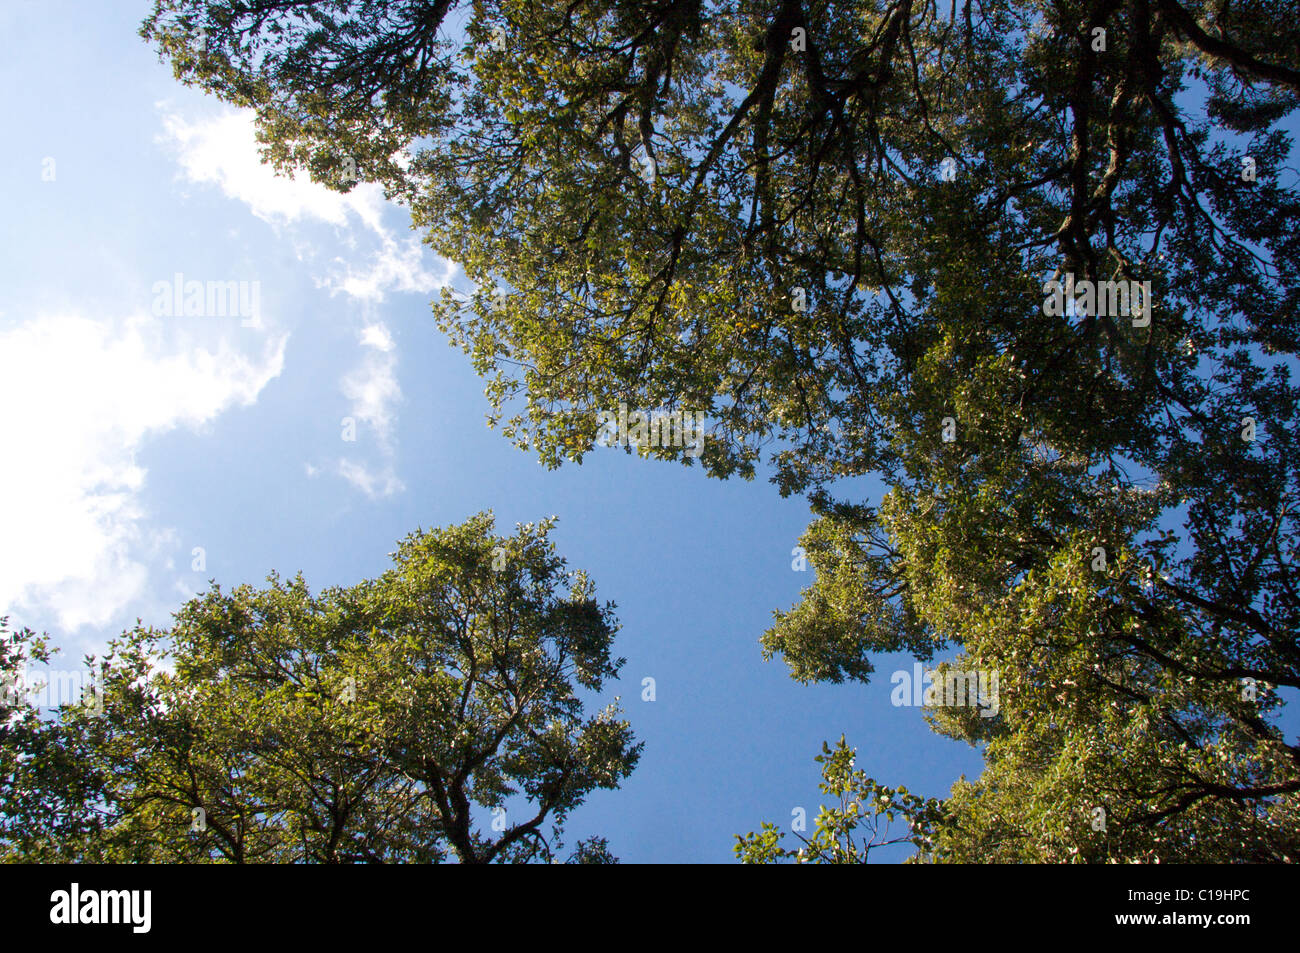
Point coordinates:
[[843, 232]]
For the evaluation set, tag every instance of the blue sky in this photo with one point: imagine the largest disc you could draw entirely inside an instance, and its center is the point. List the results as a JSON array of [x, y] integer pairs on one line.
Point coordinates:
[[136, 437]]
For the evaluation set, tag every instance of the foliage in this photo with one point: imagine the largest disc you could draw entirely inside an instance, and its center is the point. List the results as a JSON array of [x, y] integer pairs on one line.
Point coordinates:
[[379, 722], [831, 226], [865, 810]]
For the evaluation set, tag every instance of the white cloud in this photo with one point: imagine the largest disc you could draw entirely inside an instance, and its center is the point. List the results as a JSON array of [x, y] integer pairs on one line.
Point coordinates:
[[222, 150], [377, 336], [374, 484], [373, 389], [85, 395], [372, 385], [397, 266]]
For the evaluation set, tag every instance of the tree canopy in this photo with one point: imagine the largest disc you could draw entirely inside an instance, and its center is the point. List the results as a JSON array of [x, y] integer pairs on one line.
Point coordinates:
[[834, 227], [431, 713]]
